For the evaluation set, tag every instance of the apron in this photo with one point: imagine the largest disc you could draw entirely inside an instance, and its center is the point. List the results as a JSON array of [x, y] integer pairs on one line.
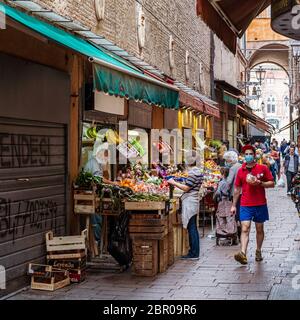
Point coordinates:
[[189, 208]]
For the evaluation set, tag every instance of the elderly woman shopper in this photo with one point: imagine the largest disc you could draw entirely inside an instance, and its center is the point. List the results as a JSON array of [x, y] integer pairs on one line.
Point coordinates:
[[190, 205], [232, 162]]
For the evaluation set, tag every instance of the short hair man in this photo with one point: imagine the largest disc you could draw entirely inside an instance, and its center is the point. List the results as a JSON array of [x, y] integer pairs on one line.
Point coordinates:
[[252, 179]]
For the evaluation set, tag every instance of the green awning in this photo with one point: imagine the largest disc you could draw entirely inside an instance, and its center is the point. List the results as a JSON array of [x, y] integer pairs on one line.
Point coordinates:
[[113, 75], [230, 99], [125, 86]]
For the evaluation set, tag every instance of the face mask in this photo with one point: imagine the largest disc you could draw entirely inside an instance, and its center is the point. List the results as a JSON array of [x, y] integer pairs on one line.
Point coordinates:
[[249, 158], [228, 165]]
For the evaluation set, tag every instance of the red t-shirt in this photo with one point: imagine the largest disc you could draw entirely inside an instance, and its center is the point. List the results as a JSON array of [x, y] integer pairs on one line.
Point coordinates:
[[253, 195]]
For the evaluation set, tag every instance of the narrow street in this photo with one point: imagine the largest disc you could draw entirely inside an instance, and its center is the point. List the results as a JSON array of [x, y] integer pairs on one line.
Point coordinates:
[[215, 276]]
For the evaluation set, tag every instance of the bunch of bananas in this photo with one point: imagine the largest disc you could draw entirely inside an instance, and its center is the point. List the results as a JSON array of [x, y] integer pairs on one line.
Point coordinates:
[[91, 133], [113, 137]]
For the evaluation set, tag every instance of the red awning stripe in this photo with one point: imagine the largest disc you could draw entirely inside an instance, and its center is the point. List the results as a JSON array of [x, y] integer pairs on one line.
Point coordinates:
[[190, 101], [212, 111]]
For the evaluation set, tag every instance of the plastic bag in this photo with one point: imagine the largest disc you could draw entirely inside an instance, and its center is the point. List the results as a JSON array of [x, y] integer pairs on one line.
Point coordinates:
[[281, 183]]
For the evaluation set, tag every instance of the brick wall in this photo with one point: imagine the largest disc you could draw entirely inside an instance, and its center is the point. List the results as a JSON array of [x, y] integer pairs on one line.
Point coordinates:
[[163, 18]]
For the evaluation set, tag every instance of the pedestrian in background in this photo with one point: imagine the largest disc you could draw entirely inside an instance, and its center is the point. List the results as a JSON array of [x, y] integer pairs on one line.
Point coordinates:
[[291, 164], [232, 162]]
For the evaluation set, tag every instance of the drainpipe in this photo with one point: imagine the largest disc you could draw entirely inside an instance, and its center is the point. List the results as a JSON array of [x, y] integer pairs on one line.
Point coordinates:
[[212, 70]]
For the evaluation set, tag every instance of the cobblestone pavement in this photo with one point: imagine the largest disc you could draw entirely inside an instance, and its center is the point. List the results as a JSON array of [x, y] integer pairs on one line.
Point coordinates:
[[215, 276]]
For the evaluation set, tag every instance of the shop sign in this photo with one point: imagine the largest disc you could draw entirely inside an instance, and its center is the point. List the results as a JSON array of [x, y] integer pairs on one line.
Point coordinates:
[[109, 104]]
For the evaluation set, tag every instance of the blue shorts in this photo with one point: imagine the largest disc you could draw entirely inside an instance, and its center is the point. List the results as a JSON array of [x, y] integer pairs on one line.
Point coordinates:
[[258, 214]]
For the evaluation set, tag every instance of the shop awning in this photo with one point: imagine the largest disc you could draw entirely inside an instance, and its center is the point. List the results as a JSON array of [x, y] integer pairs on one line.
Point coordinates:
[[212, 110], [246, 115], [187, 100], [113, 75], [230, 98], [288, 126], [230, 18], [264, 125]]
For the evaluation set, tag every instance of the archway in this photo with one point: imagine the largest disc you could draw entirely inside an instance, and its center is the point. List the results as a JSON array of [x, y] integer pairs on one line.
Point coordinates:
[[270, 97], [276, 53]]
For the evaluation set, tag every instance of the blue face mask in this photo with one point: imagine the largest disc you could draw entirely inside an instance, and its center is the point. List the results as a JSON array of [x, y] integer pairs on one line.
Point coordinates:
[[228, 165], [249, 158]]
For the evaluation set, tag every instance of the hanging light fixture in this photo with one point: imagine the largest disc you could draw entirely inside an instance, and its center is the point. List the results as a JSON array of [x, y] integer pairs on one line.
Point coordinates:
[[258, 92], [260, 74]]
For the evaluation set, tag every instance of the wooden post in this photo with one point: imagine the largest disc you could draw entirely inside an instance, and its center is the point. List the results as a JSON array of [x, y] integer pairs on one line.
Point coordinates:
[[76, 74]]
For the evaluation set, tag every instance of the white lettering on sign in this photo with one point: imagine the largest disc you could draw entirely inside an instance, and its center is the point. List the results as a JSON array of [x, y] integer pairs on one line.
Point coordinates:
[[296, 18]]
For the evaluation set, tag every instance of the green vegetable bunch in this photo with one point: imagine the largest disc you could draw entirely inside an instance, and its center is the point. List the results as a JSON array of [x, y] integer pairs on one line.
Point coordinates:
[[86, 180], [142, 197], [216, 144]]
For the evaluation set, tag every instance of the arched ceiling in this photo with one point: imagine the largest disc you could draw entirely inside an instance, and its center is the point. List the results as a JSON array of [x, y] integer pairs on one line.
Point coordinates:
[[270, 53]]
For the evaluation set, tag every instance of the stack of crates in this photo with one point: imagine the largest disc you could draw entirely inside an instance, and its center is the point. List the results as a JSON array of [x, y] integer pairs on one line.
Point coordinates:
[[68, 253], [149, 243]]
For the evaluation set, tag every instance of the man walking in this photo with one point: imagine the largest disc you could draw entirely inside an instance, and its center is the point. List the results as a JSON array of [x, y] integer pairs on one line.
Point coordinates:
[[251, 180], [291, 164]]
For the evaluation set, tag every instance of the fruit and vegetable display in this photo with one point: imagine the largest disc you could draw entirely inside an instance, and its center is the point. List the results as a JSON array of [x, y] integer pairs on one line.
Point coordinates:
[[87, 180], [211, 165], [143, 197], [215, 144]]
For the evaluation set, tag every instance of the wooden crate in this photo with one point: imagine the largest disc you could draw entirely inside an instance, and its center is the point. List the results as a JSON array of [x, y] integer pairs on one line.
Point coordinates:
[[185, 242], [181, 241], [68, 264], [48, 278], [75, 267], [66, 255], [145, 257], [149, 228], [170, 248], [177, 236], [145, 206], [85, 202], [77, 276], [163, 254], [66, 245]]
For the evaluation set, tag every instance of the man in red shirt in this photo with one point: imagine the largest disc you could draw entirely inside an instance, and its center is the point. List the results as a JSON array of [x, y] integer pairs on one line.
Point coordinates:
[[251, 180]]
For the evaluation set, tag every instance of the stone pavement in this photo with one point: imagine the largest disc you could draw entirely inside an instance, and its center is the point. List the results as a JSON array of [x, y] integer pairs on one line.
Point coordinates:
[[215, 276]]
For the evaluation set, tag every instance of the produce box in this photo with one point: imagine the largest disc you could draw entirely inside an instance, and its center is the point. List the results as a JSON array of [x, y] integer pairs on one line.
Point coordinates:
[[66, 245], [181, 241], [145, 205], [44, 277], [145, 257], [68, 264], [163, 254], [77, 276], [85, 202], [148, 227], [75, 267], [170, 248]]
